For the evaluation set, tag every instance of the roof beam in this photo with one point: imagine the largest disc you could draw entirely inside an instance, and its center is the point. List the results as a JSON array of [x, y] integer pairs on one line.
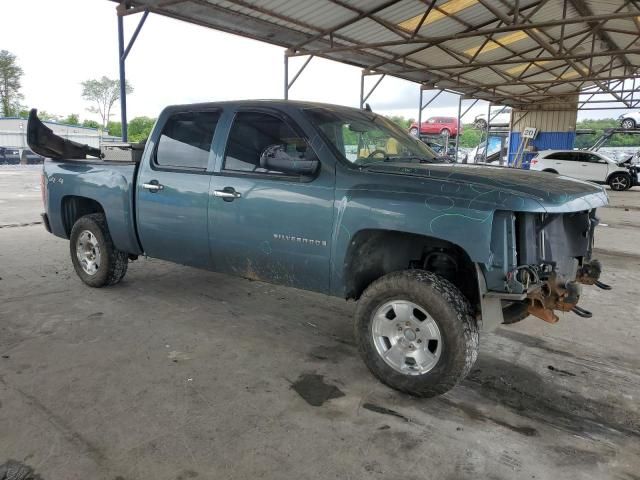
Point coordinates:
[[350, 21], [429, 41], [515, 61], [584, 10]]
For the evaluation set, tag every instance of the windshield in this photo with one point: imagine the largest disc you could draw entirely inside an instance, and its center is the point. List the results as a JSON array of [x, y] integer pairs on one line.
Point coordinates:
[[364, 138]]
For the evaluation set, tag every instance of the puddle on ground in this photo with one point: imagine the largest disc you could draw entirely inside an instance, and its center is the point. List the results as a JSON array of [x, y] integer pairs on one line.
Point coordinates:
[[313, 389]]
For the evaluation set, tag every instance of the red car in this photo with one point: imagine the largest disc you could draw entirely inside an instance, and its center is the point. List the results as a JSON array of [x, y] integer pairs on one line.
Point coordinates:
[[436, 126]]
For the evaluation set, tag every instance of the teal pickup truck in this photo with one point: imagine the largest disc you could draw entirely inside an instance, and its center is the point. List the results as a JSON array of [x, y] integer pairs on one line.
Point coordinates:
[[339, 201]]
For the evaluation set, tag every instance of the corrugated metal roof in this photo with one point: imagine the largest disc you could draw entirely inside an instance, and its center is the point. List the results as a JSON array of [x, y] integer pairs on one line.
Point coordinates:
[[508, 51]]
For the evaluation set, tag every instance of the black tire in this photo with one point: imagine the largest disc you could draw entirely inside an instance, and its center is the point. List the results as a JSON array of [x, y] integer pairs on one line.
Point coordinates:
[[414, 131], [448, 308], [619, 182], [628, 123], [113, 263], [445, 132], [480, 124]]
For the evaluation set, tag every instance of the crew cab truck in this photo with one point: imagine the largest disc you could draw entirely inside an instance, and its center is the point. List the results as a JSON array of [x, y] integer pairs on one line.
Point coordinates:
[[432, 252]]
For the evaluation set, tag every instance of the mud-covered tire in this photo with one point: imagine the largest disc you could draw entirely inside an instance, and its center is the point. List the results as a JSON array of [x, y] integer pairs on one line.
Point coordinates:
[[450, 310], [113, 262]]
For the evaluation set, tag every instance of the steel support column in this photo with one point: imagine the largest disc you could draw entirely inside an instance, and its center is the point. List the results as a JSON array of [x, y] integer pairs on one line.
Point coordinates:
[[288, 84], [123, 79], [422, 106], [363, 97], [486, 136], [123, 53], [458, 133]]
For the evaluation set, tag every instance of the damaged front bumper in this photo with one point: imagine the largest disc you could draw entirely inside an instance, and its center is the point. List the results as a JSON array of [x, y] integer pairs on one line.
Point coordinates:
[[539, 265]]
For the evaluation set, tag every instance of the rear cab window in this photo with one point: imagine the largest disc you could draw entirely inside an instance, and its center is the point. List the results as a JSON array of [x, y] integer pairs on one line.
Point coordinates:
[[185, 141]]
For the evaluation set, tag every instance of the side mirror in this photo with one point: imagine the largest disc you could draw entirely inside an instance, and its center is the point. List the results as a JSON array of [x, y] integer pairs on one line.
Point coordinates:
[[275, 158]]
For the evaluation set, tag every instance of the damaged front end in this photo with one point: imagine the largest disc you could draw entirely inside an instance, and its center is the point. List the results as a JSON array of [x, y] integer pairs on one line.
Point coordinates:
[[540, 262]]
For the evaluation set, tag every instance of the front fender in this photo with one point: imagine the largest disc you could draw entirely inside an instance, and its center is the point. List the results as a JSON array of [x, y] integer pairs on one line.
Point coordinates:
[[451, 215]]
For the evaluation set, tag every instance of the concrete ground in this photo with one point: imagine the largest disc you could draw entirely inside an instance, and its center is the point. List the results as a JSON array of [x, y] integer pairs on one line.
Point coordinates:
[[178, 373]]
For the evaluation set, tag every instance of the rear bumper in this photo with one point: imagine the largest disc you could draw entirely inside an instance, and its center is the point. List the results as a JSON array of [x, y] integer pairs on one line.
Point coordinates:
[[45, 222]]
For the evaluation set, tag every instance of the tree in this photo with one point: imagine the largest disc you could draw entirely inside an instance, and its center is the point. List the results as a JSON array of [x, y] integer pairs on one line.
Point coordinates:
[[401, 121], [10, 75], [91, 124], [140, 128], [71, 119], [114, 129], [51, 117], [104, 92]]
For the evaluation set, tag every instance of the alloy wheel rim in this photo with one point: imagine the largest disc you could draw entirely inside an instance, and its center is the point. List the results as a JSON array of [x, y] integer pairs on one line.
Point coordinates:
[[619, 183], [406, 337], [88, 252]]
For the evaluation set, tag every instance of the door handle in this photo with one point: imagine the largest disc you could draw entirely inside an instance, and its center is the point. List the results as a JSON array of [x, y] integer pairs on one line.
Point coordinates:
[[228, 194], [584, 164], [153, 186]]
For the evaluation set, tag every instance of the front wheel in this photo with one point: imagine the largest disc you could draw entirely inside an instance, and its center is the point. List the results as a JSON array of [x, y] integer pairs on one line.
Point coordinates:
[[628, 123], [96, 261], [445, 132], [619, 182], [416, 333]]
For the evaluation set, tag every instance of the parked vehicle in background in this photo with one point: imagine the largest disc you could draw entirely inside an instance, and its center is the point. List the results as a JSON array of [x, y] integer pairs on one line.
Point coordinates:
[[264, 190], [9, 156], [449, 154], [585, 165], [629, 120], [497, 153], [15, 156], [445, 126], [502, 119]]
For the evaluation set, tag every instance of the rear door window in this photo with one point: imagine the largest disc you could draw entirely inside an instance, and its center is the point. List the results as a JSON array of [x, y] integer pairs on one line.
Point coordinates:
[[566, 156], [185, 141]]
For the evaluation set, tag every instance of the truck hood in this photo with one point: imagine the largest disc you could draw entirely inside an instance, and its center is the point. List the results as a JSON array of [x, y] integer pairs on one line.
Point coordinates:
[[553, 193]]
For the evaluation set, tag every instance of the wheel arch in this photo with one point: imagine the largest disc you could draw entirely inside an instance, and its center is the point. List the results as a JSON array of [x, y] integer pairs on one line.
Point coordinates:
[[373, 253], [74, 206], [617, 172]]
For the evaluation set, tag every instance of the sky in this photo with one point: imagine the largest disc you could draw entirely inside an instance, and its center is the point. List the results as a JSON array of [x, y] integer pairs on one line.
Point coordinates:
[[60, 43]]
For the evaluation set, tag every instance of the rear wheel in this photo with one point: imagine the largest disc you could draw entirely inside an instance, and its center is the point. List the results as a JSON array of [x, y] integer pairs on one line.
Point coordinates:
[[619, 182], [415, 332], [445, 132], [96, 261], [628, 123], [414, 131]]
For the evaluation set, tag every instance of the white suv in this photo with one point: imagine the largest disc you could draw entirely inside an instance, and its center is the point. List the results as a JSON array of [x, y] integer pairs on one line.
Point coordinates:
[[583, 165], [629, 120], [499, 118]]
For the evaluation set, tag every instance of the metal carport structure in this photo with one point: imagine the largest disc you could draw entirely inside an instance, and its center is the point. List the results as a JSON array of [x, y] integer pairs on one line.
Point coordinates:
[[532, 55]]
